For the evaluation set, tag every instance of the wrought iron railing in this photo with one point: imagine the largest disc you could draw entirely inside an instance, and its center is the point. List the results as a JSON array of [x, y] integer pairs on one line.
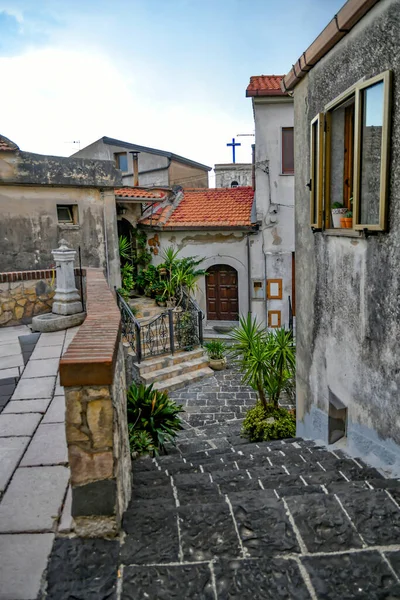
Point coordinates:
[[189, 303], [174, 329]]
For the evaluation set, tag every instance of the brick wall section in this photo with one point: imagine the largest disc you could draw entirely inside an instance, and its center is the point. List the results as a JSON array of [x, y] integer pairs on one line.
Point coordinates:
[[90, 358], [11, 276], [92, 372]]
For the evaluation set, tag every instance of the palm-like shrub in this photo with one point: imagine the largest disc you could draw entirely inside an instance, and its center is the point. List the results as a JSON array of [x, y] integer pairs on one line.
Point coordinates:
[[151, 411], [215, 349], [265, 358]]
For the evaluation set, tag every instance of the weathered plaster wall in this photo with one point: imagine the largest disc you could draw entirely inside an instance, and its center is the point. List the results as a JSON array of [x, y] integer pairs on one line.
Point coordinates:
[[225, 174], [187, 176], [29, 228], [347, 289], [147, 162], [272, 248], [217, 248]]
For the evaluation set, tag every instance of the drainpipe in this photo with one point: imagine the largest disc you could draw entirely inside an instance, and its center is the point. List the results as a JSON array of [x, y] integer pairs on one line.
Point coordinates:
[[135, 156], [249, 272], [253, 166]]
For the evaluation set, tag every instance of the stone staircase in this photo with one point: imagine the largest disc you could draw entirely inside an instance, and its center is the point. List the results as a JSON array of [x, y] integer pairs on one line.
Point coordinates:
[[168, 372], [286, 519]]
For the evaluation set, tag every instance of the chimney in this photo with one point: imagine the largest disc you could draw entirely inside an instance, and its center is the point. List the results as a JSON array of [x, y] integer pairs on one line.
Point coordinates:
[[253, 166], [135, 156]]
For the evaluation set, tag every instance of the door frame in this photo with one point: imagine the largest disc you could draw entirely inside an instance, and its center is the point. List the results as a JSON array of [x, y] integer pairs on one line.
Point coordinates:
[[218, 267]]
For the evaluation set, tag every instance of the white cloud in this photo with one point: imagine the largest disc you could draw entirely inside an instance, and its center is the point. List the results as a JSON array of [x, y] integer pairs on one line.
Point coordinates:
[[59, 95]]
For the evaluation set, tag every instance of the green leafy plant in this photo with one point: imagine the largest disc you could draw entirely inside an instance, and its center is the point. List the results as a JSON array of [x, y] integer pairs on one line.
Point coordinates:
[[127, 278], [266, 358], [268, 423], [125, 247], [186, 330], [337, 205], [349, 214], [140, 441], [215, 349], [153, 412]]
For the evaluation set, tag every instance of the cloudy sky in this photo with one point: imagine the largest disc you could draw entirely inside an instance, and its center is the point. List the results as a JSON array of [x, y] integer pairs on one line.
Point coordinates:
[[170, 74]]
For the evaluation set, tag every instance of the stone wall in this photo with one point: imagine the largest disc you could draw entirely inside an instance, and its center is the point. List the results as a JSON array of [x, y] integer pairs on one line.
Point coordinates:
[[25, 294], [93, 375], [347, 288]]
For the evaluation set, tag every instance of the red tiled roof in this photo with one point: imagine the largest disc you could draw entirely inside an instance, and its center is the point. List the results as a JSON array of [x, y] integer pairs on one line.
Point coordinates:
[[135, 192], [7, 145], [204, 207], [265, 85]]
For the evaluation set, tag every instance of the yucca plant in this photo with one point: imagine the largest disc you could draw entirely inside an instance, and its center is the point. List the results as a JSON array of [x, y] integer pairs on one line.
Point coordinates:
[[124, 247], [215, 349], [152, 411]]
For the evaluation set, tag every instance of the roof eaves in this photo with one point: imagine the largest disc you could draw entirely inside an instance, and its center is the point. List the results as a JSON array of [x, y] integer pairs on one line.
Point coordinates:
[[137, 148], [348, 16]]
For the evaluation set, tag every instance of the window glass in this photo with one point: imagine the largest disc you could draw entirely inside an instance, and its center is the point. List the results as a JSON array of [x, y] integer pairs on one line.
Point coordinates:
[[287, 150], [122, 161], [341, 154], [370, 152], [64, 214]]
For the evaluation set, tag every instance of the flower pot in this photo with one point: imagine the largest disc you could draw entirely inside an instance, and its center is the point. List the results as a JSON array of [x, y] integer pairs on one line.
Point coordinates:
[[348, 222], [343, 222], [161, 303], [170, 303], [337, 213], [163, 271], [218, 364]]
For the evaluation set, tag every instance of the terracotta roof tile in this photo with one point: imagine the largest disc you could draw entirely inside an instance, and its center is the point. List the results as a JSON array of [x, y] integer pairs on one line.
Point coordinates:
[[265, 85], [135, 192], [206, 207], [7, 145]]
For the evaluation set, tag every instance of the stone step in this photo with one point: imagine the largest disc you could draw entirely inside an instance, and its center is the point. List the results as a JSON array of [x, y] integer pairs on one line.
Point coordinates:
[[161, 362], [175, 383], [175, 370]]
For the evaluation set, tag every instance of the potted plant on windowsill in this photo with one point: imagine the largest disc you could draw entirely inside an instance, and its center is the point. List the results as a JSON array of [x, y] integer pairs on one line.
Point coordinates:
[[348, 220], [216, 354], [338, 211]]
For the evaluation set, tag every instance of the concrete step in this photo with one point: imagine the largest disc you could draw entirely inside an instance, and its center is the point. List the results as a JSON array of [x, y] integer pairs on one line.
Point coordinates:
[[175, 370], [161, 362], [175, 383]]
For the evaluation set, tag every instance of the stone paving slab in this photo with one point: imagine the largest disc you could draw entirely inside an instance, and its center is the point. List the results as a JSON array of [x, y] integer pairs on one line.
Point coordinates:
[[51, 339], [18, 425], [41, 368], [48, 446], [41, 387], [27, 406], [10, 349], [47, 352], [10, 372], [33, 499], [82, 569], [23, 560], [360, 575], [56, 411], [9, 361], [11, 451]]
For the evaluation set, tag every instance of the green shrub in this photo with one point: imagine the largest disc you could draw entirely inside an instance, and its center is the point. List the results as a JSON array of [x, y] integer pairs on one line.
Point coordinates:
[[215, 349], [258, 429], [140, 441], [152, 412]]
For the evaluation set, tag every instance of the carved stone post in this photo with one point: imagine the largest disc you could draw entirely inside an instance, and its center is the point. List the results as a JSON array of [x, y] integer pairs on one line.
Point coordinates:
[[66, 299]]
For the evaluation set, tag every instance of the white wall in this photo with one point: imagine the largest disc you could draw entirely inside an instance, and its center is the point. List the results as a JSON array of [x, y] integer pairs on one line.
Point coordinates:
[[272, 249], [217, 248]]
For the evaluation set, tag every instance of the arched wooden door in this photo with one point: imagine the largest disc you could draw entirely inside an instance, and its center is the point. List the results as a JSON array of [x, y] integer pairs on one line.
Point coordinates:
[[222, 293]]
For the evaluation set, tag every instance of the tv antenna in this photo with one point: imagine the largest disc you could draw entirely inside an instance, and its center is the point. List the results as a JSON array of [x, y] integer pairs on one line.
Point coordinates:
[[75, 142]]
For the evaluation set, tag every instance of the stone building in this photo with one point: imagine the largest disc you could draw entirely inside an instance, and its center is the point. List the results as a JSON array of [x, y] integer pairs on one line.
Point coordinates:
[[347, 150], [233, 175], [272, 249], [153, 168], [45, 198]]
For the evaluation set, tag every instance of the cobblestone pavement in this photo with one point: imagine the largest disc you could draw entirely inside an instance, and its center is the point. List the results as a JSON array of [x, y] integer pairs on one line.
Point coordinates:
[[222, 519], [34, 474]]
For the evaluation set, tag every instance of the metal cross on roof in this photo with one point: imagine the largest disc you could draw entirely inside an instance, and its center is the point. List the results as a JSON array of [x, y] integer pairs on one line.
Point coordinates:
[[233, 144]]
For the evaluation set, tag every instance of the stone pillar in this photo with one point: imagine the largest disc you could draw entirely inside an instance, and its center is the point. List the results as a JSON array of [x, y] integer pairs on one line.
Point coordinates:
[[66, 299], [111, 232], [92, 372]]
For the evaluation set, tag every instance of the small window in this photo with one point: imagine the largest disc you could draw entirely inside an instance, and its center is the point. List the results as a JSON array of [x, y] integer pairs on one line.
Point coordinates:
[[67, 213], [234, 184], [274, 318], [274, 289], [121, 160], [287, 151]]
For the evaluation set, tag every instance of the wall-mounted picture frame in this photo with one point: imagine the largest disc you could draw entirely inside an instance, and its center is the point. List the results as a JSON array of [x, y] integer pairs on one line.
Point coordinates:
[[274, 318], [274, 289]]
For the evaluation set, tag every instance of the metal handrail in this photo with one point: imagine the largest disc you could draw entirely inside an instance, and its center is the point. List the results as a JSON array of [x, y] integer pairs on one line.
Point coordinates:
[[290, 315], [192, 301]]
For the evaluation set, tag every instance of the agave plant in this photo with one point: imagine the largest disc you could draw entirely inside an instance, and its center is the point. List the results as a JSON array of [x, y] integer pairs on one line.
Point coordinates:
[[124, 247], [152, 411]]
